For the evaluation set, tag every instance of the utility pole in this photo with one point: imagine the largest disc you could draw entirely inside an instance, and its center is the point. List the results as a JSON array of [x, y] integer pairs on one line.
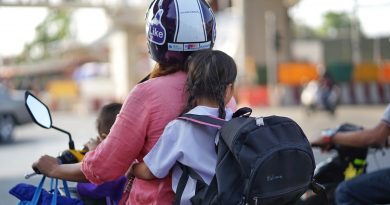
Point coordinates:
[[271, 55], [355, 35]]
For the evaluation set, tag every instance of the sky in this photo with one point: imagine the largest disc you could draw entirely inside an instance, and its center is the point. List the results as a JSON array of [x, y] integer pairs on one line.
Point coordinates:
[[17, 24], [374, 15]]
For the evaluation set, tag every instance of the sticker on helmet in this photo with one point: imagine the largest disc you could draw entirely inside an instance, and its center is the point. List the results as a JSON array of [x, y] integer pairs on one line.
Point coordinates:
[[175, 47], [191, 46], [205, 45], [157, 32]]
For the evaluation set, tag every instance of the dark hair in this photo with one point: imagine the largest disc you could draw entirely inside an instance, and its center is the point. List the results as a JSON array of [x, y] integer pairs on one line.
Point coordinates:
[[106, 117], [209, 74], [161, 70]]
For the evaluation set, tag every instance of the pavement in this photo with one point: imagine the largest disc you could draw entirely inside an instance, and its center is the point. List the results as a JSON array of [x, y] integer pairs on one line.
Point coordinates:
[[32, 141]]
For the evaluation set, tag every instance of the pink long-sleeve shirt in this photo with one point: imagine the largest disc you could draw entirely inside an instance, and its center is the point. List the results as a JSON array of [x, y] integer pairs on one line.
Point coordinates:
[[146, 111]]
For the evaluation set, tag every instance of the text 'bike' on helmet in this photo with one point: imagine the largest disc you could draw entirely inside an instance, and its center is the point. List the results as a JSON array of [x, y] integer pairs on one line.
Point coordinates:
[[176, 28]]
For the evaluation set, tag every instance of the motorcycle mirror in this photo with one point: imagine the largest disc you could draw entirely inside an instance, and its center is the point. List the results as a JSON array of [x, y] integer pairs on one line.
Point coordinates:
[[41, 115], [38, 111]]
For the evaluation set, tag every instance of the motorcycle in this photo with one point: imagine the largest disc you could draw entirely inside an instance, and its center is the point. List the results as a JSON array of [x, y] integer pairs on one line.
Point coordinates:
[[347, 163], [89, 193], [315, 97], [40, 114]]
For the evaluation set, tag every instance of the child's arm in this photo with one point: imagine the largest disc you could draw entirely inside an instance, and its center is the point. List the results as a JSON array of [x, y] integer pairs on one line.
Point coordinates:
[[141, 171]]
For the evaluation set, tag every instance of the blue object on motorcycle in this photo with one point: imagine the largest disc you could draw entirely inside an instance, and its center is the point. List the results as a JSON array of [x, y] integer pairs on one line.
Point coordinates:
[[31, 195]]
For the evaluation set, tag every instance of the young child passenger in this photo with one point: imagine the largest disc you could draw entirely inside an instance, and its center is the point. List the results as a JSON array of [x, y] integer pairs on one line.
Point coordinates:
[[210, 83], [104, 122], [108, 192]]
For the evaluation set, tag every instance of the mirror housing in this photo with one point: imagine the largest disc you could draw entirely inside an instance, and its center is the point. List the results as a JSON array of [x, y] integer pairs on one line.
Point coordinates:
[[38, 110], [41, 115]]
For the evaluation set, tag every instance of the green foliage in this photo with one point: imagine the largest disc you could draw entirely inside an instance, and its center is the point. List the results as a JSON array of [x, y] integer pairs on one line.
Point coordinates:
[[54, 29], [304, 31], [335, 24], [337, 20]]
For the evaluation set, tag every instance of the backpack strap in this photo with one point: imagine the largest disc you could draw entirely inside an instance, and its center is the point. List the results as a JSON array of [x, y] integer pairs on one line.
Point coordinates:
[[207, 120], [145, 78], [319, 189], [187, 172], [242, 112], [212, 121]]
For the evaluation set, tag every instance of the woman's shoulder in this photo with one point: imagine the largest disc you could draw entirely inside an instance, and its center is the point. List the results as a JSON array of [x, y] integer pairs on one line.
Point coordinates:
[[170, 86], [160, 85], [171, 79]]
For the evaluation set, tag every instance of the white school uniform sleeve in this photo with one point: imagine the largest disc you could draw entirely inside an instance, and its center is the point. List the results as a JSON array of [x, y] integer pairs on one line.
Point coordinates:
[[162, 157]]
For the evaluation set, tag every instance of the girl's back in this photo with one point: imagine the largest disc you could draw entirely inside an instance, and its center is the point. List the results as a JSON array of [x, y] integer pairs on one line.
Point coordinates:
[[190, 144]]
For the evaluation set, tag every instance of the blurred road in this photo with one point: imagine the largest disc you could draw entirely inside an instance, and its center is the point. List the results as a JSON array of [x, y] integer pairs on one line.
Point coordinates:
[[32, 141]]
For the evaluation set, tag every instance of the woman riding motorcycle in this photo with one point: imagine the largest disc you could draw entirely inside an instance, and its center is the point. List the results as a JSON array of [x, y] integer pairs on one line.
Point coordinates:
[[175, 29]]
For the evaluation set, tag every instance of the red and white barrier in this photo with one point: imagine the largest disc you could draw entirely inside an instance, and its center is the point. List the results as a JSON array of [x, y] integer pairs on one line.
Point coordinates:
[[350, 93], [364, 93]]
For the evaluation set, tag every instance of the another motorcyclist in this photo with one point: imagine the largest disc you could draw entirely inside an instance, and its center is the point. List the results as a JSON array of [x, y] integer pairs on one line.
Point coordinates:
[[371, 188], [327, 92]]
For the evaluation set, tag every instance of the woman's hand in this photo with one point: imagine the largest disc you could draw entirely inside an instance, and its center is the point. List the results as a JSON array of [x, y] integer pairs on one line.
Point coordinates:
[[46, 165]]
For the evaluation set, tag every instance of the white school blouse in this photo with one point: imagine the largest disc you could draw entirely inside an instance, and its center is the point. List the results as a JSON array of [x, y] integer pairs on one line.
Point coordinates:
[[190, 144]]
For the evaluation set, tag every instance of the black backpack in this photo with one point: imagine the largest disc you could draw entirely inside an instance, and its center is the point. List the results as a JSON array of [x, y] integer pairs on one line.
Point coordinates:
[[261, 161]]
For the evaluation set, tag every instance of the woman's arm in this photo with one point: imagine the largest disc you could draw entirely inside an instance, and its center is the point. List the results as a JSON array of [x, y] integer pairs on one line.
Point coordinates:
[[123, 144], [141, 171], [50, 167]]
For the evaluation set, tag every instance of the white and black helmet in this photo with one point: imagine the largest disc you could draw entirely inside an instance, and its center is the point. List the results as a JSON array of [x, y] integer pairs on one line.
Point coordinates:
[[176, 28]]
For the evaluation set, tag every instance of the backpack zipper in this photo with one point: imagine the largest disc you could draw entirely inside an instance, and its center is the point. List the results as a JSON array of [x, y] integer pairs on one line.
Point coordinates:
[[256, 200], [251, 175]]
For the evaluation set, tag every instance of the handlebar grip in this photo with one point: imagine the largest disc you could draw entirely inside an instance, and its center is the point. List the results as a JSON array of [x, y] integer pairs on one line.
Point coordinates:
[[318, 145], [36, 171], [28, 176], [325, 147]]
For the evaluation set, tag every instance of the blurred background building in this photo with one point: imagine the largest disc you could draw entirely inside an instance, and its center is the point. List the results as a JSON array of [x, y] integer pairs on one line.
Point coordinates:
[[84, 53]]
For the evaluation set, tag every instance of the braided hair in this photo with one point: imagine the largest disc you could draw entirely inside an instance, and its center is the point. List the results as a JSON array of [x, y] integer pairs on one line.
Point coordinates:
[[209, 74]]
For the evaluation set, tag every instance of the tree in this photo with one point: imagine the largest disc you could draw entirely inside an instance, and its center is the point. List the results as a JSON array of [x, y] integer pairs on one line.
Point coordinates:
[[336, 24], [54, 29], [304, 31]]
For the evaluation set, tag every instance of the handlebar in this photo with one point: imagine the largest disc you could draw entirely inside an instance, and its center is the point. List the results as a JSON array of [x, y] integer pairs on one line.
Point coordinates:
[[374, 146], [318, 145], [28, 176]]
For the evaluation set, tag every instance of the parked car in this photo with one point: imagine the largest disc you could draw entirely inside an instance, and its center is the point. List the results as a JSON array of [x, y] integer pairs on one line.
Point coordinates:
[[13, 112]]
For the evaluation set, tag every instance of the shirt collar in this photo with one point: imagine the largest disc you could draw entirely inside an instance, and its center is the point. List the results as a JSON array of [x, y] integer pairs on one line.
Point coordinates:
[[204, 110]]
